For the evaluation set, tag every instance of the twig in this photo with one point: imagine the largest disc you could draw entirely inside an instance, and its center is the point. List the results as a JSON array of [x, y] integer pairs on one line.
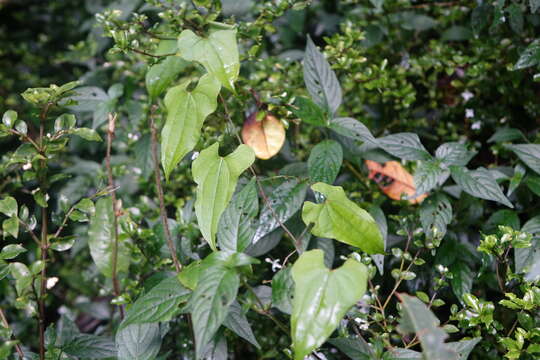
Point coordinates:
[[110, 136], [157, 176], [32, 234], [264, 312], [6, 325], [142, 52]]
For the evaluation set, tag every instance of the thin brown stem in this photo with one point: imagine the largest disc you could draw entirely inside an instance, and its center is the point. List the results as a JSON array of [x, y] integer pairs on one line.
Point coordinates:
[[29, 230], [6, 325], [110, 136], [159, 187], [142, 52]]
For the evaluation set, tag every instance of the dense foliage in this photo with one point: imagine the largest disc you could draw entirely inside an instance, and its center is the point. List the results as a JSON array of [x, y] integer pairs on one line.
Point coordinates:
[[283, 179]]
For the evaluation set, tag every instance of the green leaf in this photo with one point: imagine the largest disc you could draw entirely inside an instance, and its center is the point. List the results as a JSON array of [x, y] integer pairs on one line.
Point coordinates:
[[90, 347], [186, 112], [426, 176], [321, 81], [406, 146], [325, 161], [515, 180], [160, 76], [282, 290], [354, 348], [65, 122], [341, 219], [22, 276], [529, 57], [236, 225], [11, 227], [515, 17], [417, 318], [309, 112], [216, 178], [506, 134], [101, 239], [353, 129], [479, 183], [285, 201], [215, 292], [535, 5], [453, 153], [529, 154], [138, 342], [143, 156], [62, 244], [527, 260], [86, 133], [218, 53], [9, 118], [159, 304], [237, 322], [463, 348], [11, 251], [321, 298], [462, 279], [8, 206]]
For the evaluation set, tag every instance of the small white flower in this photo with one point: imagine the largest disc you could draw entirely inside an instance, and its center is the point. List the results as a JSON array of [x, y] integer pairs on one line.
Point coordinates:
[[469, 113], [194, 155], [51, 282], [275, 264], [27, 166], [467, 95], [476, 125]]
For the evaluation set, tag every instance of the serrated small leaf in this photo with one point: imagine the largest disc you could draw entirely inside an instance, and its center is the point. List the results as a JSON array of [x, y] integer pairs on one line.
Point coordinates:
[[186, 112], [216, 178], [321, 81], [341, 219], [309, 112], [479, 183], [158, 305], [218, 53], [321, 298], [325, 161]]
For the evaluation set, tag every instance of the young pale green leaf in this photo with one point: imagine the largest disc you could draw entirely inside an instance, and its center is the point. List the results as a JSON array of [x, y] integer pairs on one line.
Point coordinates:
[[453, 153], [218, 53], [321, 81], [11, 227], [309, 112], [215, 292], [237, 322], [463, 348], [159, 304], [236, 225], [417, 318], [321, 298], [325, 161], [86, 133], [216, 178], [285, 200], [22, 276], [90, 347], [8, 206], [101, 239], [9, 118], [11, 251], [341, 219], [435, 215], [406, 146], [138, 342], [353, 129], [529, 154], [517, 177], [186, 112], [479, 183], [426, 176], [160, 76]]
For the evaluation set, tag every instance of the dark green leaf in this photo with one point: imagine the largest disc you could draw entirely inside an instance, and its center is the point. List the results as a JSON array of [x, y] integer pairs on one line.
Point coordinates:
[[353, 129], [529, 57], [143, 156], [90, 346], [8, 206], [406, 146], [479, 183], [506, 134], [464, 347], [462, 279], [325, 161], [138, 342], [158, 305], [354, 348], [282, 290], [426, 176], [237, 322], [453, 153], [321, 81], [515, 17], [529, 154], [309, 112]]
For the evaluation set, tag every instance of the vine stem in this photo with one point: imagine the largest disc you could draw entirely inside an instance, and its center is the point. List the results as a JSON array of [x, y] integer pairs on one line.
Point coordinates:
[[44, 241], [6, 325], [159, 187], [110, 136]]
